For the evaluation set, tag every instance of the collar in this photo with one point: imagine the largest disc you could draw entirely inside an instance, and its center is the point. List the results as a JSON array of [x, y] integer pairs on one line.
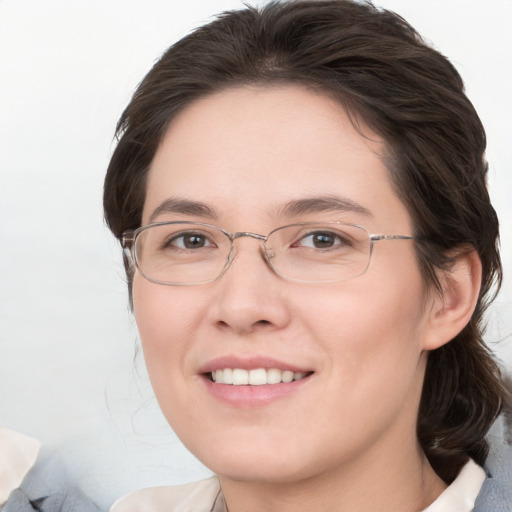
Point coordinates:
[[461, 494], [17, 456]]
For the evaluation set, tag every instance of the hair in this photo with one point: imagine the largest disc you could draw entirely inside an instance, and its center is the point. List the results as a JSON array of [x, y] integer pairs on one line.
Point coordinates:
[[385, 76]]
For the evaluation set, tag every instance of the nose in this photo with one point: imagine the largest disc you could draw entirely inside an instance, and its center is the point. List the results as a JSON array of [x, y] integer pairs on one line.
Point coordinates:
[[249, 296]]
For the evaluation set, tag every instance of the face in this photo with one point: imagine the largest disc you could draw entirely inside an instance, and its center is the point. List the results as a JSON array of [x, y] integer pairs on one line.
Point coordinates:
[[248, 154]]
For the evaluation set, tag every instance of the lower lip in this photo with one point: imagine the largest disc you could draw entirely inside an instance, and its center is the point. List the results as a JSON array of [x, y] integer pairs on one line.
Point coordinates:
[[247, 397]]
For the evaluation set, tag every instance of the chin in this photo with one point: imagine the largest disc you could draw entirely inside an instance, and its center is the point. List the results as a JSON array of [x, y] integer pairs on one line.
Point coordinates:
[[251, 463], [259, 472]]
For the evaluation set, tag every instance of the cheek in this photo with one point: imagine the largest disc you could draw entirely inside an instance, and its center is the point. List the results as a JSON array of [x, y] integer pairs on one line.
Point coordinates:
[[166, 325], [369, 336], [372, 329]]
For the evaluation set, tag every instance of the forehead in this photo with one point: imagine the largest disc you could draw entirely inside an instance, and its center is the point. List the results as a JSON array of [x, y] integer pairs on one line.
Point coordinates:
[[248, 151]]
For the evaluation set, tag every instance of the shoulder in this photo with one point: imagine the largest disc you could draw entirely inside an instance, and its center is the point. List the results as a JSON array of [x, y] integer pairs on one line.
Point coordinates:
[[194, 497], [17, 456], [30, 485], [496, 493]]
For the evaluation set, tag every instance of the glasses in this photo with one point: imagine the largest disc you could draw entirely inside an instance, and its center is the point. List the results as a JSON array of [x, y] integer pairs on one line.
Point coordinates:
[[189, 253]]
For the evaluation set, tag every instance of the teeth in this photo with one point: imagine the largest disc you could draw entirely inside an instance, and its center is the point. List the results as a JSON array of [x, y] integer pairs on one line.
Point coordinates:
[[225, 376], [287, 376], [256, 377], [274, 376], [240, 377]]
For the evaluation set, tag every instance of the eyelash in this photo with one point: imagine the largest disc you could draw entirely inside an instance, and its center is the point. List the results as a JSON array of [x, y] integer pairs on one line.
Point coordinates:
[[334, 239], [167, 244], [338, 239]]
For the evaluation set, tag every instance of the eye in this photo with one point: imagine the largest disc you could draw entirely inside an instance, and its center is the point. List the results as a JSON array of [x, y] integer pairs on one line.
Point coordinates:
[[189, 240], [322, 240]]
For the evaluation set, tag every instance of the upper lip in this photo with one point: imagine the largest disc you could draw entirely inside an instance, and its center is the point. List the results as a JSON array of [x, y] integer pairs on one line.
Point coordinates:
[[249, 363]]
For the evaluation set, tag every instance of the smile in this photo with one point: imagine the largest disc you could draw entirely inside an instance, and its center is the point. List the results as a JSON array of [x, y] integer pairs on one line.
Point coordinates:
[[255, 377], [253, 382]]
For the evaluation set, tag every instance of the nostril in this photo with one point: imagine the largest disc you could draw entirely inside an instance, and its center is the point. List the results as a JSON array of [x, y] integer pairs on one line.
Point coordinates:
[[243, 328]]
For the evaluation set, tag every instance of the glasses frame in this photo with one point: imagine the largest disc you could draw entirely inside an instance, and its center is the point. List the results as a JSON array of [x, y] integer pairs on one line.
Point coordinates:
[[129, 238]]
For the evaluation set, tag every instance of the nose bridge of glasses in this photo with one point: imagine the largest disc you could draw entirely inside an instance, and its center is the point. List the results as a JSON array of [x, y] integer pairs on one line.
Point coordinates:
[[240, 234]]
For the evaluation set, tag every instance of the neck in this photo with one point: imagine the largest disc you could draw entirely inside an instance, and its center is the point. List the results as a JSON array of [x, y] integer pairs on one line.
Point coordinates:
[[388, 484]]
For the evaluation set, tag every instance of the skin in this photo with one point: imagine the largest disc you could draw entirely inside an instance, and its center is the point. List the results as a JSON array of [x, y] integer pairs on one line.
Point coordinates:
[[345, 440]]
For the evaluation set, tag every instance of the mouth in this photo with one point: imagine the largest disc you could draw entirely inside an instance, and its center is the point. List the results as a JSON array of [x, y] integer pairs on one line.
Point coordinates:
[[253, 382], [255, 377]]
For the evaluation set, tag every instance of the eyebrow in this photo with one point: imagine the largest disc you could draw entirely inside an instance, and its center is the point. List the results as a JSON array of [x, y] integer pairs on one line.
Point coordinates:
[[294, 208], [183, 207], [329, 203]]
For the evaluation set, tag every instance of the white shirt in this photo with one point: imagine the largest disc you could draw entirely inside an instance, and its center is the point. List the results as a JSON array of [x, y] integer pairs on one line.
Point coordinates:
[[461, 495]]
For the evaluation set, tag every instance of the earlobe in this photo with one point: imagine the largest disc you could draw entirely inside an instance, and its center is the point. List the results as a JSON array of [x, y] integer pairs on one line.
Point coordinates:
[[453, 307]]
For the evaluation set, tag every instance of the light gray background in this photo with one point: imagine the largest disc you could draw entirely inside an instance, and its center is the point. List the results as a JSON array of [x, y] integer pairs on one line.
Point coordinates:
[[67, 370]]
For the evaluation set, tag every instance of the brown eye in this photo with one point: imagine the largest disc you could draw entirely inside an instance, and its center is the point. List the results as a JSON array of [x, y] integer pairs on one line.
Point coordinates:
[[321, 240], [194, 241], [190, 241]]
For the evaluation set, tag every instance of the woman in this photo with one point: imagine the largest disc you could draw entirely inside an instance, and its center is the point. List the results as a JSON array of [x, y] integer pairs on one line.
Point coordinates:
[[310, 246]]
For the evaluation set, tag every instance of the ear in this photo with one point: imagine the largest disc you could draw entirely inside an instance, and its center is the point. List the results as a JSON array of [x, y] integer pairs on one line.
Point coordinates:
[[453, 307]]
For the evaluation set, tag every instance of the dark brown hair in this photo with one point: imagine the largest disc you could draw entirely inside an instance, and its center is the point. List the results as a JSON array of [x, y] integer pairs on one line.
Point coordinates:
[[385, 75]]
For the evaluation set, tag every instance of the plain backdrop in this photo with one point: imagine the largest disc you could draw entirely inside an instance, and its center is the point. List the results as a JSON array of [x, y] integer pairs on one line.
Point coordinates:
[[69, 373]]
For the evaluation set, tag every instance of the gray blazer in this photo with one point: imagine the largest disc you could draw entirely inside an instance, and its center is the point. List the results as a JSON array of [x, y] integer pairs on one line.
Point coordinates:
[[496, 493], [45, 488]]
